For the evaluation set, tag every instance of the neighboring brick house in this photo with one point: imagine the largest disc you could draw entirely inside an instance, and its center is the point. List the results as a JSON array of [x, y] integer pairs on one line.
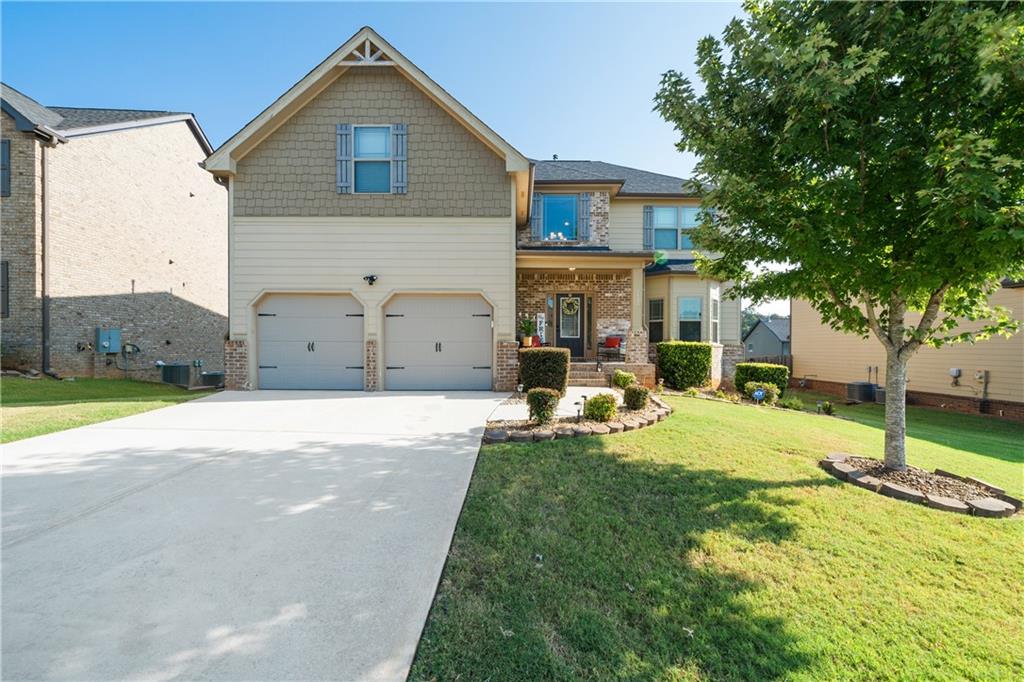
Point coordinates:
[[381, 236], [109, 221]]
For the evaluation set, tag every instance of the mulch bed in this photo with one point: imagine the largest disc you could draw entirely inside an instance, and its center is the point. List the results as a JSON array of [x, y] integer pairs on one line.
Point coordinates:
[[526, 425], [939, 489], [921, 480]]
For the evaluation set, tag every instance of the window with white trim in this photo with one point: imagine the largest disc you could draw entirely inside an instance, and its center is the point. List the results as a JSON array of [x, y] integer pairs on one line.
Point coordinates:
[[714, 320], [656, 319], [673, 225], [689, 318], [371, 159]]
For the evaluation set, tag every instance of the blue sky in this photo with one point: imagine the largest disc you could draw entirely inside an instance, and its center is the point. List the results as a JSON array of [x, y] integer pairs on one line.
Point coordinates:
[[574, 80]]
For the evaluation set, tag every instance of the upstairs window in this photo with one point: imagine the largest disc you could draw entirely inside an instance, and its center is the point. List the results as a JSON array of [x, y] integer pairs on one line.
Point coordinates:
[[714, 320], [668, 228], [689, 318], [560, 217], [372, 159]]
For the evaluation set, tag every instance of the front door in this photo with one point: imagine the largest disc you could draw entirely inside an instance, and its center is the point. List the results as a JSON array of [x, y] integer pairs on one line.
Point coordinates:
[[569, 310]]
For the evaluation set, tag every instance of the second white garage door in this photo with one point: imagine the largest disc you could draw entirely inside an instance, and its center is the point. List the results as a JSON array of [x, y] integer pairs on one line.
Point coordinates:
[[437, 342]]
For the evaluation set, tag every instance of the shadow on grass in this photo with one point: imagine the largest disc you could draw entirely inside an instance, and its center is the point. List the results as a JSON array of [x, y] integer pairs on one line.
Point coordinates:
[[982, 435], [570, 561]]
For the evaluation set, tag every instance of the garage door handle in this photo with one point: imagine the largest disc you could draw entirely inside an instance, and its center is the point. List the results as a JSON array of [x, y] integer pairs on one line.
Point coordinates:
[[389, 367], [312, 345], [439, 346], [482, 367], [268, 366], [354, 367], [309, 346], [393, 315], [266, 314]]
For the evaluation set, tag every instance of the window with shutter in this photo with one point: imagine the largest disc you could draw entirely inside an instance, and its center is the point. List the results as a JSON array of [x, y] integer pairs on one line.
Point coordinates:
[[5, 168], [648, 227], [5, 297], [537, 218], [583, 217], [399, 158], [344, 158]]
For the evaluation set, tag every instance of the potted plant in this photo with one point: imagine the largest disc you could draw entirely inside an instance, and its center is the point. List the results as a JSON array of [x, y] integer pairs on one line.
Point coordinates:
[[527, 328]]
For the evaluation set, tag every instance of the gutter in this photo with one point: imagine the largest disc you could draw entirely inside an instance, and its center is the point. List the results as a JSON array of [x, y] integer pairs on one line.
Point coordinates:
[[44, 204]]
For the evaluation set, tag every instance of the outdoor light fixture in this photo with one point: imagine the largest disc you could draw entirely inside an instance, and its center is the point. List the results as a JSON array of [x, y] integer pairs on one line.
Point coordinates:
[[519, 388], [370, 279]]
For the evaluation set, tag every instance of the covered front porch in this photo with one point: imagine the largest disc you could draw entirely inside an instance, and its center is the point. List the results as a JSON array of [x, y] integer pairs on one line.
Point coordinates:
[[589, 302]]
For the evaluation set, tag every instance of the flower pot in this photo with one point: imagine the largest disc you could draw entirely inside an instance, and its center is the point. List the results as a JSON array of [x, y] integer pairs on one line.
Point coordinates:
[[536, 341], [527, 341]]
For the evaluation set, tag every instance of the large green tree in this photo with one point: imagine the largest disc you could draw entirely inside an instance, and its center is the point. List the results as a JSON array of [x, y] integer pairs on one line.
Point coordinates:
[[869, 158]]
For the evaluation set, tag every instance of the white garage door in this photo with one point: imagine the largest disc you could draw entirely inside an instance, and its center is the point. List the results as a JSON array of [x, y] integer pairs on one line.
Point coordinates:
[[310, 341], [437, 342]]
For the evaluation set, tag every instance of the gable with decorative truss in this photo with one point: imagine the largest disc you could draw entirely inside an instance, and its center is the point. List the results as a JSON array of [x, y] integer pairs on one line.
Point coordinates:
[[367, 54]]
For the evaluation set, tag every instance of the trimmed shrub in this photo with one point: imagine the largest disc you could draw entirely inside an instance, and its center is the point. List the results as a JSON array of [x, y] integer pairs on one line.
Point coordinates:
[[636, 397], [623, 379], [601, 408], [828, 408], [542, 403], [791, 403], [728, 395], [763, 372], [544, 368], [692, 392], [771, 391], [684, 363]]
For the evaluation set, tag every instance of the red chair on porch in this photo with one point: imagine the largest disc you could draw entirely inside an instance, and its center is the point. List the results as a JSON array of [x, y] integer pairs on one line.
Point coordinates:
[[612, 348]]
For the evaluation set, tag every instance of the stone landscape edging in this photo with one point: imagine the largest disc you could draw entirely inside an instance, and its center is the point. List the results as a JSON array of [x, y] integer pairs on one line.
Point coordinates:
[[570, 430], [997, 505]]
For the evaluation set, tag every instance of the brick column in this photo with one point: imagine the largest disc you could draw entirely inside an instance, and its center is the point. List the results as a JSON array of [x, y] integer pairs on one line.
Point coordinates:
[[731, 355], [370, 382], [716, 365], [506, 371], [236, 365], [636, 347]]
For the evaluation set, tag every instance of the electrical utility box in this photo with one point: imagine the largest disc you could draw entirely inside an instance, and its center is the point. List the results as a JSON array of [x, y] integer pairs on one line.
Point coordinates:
[[108, 340]]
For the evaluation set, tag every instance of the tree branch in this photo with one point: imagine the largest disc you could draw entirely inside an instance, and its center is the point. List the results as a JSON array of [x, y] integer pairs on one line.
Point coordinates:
[[869, 309], [931, 311]]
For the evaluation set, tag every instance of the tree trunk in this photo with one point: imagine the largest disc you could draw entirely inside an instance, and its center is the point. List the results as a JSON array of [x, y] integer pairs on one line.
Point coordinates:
[[895, 410]]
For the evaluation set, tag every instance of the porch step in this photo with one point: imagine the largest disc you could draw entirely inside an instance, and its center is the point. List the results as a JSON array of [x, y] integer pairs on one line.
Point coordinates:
[[588, 379]]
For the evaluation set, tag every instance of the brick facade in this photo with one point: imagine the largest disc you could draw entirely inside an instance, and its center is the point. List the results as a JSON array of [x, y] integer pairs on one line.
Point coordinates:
[[20, 244], [1003, 409], [293, 171], [600, 209], [506, 370], [370, 369], [236, 365], [609, 292], [136, 240]]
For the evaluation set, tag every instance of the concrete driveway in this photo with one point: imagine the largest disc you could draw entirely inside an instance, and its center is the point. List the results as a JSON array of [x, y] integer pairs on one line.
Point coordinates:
[[269, 535]]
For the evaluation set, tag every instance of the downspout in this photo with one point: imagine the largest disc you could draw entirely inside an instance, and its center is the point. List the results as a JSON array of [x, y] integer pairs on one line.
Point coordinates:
[[44, 203]]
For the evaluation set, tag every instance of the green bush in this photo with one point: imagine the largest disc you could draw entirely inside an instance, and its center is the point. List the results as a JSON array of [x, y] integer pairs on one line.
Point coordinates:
[[636, 397], [542, 403], [791, 403], [623, 379], [771, 391], [601, 408], [684, 363], [544, 368], [692, 392], [763, 372], [828, 408]]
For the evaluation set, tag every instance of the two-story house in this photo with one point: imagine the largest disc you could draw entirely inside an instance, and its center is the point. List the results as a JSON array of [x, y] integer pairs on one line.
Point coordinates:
[[109, 223], [382, 236]]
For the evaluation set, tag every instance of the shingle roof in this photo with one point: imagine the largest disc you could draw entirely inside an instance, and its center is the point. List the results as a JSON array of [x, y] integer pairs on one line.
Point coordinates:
[[634, 181], [33, 111], [63, 119], [80, 117], [679, 266], [778, 326]]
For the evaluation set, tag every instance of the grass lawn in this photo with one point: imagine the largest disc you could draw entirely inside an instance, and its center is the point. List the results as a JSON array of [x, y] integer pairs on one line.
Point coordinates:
[[710, 546], [32, 407]]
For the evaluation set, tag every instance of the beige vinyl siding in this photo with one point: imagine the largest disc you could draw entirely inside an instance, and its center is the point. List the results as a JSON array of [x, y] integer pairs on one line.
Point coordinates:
[[406, 254], [730, 317], [821, 353]]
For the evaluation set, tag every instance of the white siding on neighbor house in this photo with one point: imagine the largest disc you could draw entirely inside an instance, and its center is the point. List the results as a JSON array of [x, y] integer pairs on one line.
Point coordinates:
[[819, 352], [406, 254]]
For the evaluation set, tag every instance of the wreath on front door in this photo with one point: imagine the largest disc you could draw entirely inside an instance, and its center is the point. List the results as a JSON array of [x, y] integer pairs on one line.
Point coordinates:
[[570, 306]]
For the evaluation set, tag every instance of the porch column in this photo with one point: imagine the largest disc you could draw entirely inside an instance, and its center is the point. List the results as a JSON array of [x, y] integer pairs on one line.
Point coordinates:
[[636, 346]]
